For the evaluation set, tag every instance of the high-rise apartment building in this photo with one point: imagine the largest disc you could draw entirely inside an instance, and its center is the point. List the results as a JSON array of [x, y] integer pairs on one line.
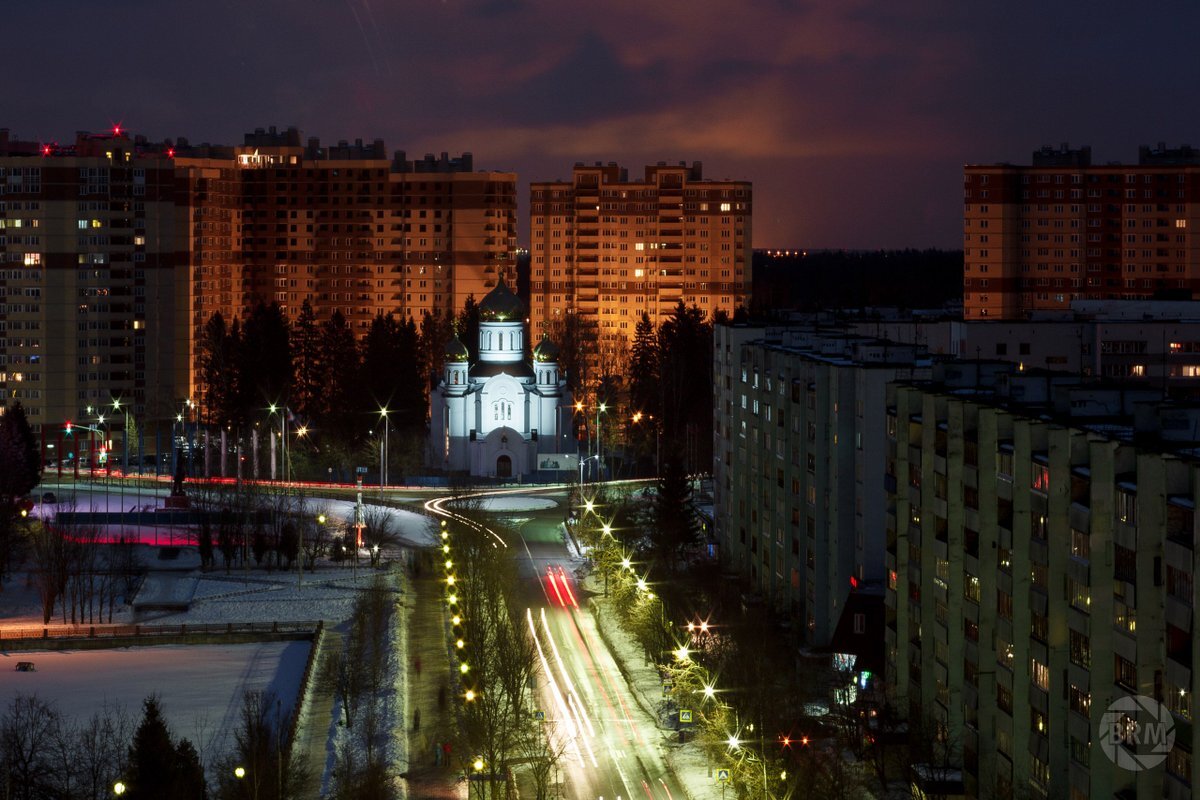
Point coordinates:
[[610, 249], [1036, 237], [798, 463], [93, 295], [1041, 555], [344, 228], [114, 253]]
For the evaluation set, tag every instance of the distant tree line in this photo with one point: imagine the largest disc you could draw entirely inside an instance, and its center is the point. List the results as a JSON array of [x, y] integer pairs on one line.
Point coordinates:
[[46, 755], [328, 380], [825, 279], [656, 389]]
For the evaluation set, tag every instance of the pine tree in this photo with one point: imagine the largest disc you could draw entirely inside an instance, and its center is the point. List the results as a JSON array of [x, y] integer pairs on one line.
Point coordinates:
[[675, 526], [217, 371], [264, 363], [151, 756], [467, 327], [685, 361], [20, 472], [306, 345], [645, 390], [340, 362]]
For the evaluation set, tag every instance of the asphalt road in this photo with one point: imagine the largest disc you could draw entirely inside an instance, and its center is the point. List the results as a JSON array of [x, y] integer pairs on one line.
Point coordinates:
[[610, 748]]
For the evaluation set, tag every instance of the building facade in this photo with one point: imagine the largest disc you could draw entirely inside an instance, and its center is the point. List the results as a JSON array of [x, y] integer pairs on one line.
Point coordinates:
[[609, 249], [1041, 554], [1156, 342], [798, 460], [1036, 237], [115, 251], [502, 416], [344, 228], [93, 289]]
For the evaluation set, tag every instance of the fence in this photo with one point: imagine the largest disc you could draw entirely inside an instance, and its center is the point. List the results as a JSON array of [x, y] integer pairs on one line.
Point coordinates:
[[152, 631]]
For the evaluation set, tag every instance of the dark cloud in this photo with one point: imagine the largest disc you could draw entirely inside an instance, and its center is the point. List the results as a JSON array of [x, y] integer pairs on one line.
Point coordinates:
[[853, 118]]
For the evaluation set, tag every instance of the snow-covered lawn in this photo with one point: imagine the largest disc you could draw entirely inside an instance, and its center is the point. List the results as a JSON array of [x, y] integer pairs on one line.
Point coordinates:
[[514, 503], [200, 686]]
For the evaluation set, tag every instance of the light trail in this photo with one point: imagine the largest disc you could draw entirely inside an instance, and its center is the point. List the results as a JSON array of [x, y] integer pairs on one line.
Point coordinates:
[[572, 733], [554, 585], [567, 587], [434, 507]]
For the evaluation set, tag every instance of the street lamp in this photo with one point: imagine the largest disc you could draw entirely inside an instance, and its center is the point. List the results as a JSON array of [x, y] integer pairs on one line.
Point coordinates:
[[124, 435], [383, 456], [119, 788]]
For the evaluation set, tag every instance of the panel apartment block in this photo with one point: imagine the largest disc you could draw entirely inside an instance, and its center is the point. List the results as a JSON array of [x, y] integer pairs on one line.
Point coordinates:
[[610, 249], [798, 454], [1041, 566], [91, 258], [1036, 237]]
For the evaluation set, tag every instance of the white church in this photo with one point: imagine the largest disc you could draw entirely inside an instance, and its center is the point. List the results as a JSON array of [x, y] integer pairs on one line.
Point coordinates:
[[501, 417]]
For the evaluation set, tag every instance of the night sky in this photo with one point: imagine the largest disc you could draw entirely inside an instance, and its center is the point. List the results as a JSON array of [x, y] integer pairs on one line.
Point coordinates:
[[853, 118]]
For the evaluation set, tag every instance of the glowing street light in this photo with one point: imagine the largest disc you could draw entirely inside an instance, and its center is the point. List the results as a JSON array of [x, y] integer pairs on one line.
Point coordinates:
[[119, 788], [239, 772]]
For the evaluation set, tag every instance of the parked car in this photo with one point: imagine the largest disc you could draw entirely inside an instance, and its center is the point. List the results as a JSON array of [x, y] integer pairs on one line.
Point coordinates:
[[26, 666]]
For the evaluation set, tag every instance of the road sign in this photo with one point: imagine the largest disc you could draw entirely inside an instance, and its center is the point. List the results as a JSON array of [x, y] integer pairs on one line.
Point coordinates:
[[723, 775], [540, 716], [361, 470], [685, 715]]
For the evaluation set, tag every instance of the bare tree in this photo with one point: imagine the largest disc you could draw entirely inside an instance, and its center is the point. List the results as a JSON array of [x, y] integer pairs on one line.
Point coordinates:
[[262, 749], [379, 532], [100, 749], [499, 653], [26, 732], [542, 747]]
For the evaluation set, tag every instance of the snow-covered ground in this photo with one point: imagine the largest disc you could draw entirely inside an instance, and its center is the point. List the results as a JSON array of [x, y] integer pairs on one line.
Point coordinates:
[[509, 503], [412, 527], [200, 686]]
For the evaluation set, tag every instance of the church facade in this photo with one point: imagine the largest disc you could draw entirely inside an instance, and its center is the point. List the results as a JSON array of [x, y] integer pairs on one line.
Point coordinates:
[[501, 416]]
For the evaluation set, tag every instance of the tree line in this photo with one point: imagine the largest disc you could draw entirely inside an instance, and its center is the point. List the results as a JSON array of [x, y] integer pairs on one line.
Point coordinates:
[[47, 755], [325, 378]]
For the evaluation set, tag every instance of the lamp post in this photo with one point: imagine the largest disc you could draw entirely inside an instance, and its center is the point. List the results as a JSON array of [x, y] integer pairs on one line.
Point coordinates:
[[124, 435], [383, 456], [600, 440]]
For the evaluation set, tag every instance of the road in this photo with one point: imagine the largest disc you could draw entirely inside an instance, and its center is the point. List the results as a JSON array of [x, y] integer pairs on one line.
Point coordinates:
[[611, 747]]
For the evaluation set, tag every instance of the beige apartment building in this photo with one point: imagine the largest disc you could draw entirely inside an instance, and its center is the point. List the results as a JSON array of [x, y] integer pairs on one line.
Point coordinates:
[[1037, 237], [798, 464], [1041, 557], [610, 249]]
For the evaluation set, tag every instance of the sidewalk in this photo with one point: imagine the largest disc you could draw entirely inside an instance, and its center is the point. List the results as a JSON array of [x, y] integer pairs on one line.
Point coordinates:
[[431, 695], [312, 736]]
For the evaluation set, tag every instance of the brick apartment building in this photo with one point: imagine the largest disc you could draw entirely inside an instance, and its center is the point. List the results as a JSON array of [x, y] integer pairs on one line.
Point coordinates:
[[1037, 237], [115, 251], [610, 249]]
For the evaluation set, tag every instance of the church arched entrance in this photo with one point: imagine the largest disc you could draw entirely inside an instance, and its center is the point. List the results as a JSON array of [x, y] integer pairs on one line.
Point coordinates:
[[503, 467]]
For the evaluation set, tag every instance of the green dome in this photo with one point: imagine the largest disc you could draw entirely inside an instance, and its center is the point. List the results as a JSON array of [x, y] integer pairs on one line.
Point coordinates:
[[501, 305], [546, 350], [456, 350]]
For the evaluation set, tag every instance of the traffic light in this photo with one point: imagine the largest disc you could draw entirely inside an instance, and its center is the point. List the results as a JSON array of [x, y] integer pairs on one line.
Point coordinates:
[[67, 429]]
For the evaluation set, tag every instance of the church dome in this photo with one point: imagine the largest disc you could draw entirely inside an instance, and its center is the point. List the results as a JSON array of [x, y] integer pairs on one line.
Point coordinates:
[[546, 350], [501, 305], [456, 350]]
